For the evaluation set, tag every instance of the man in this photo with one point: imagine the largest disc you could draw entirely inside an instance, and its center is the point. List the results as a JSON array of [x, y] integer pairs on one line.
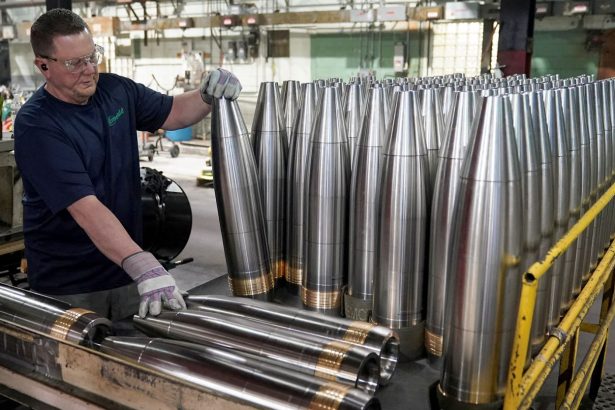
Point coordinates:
[[76, 148]]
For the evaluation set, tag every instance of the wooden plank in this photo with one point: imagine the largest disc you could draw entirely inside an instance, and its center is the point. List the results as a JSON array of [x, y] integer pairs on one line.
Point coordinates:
[[133, 386], [43, 393], [11, 247]]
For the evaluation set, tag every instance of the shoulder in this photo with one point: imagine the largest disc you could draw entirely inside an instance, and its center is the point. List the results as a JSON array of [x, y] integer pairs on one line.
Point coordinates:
[[35, 111]]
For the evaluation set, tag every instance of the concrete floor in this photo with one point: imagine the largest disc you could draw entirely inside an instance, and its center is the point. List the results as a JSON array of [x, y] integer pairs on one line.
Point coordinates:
[[205, 246]]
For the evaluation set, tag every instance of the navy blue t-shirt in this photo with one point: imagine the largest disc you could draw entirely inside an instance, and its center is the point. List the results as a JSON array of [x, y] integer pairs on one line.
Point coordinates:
[[66, 152]]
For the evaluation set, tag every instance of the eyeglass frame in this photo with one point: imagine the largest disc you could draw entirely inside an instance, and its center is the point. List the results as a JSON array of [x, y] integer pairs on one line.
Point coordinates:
[[73, 61]]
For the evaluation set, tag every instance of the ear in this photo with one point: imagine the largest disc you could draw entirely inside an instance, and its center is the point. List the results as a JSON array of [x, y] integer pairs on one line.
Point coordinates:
[[41, 63]]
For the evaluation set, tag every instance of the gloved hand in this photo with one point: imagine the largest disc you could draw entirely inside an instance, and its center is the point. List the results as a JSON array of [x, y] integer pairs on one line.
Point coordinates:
[[154, 284], [220, 83]]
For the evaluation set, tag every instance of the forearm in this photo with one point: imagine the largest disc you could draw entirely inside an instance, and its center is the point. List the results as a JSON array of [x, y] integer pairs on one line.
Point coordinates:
[[103, 228], [187, 109]]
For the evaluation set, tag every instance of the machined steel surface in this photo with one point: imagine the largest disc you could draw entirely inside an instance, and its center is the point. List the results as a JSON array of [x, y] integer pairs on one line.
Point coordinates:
[[561, 195], [481, 316], [363, 220], [353, 104], [404, 202], [306, 353], [327, 193], [270, 153], [51, 316], [547, 221], [239, 203], [291, 100], [570, 108], [239, 376], [446, 188], [379, 339], [295, 192], [433, 123]]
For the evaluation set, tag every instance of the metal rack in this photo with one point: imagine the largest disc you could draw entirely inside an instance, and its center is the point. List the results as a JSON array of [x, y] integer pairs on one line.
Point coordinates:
[[562, 344]]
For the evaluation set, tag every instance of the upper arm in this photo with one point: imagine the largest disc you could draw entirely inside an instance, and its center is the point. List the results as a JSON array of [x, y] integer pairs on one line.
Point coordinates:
[[151, 107]]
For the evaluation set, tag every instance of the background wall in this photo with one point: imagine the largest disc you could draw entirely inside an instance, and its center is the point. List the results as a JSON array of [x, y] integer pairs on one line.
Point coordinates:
[[564, 53]]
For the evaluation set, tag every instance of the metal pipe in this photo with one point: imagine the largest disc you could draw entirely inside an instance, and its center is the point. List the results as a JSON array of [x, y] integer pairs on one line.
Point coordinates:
[[242, 377], [583, 374], [52, 317], [379, 339], [307, 353], [239, 203]]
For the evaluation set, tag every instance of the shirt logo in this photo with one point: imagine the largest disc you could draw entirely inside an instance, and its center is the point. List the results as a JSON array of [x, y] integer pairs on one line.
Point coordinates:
[[112, 119]]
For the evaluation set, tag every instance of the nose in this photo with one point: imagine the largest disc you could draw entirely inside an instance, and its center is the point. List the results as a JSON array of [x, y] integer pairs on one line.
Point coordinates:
[[90, 67]]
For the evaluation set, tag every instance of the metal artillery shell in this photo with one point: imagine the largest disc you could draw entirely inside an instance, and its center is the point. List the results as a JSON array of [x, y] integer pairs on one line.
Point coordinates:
[[609, 159], [404, 182], [327, 191], [243, 377], [547, 222], [353, 114], [291, 99], [270, 154], [570, 107], [363, 210], [561, 194], [239, 203], [433, 122], [582, 260], [485, 282], [446, 188], [601, 160], [306, 353], [379, 339], [297, 165], [51, 316], [594, 229]]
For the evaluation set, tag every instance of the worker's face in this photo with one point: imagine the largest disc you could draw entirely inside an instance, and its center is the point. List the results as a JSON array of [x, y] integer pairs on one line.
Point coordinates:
[[72, 71]]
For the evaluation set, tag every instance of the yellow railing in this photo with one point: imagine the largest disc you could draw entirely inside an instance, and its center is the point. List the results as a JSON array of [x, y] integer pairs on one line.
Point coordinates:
[[522, 387]]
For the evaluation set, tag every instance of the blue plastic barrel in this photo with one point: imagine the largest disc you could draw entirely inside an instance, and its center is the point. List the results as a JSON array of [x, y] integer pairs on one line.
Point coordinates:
[[182, 134]]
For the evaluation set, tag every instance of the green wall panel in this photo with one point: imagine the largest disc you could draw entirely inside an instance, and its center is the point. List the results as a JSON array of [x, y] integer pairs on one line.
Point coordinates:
[[563, 53], [340, 54]]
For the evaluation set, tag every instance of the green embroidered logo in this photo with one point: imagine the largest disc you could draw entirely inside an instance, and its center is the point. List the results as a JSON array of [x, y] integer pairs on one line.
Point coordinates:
[[112, 119]]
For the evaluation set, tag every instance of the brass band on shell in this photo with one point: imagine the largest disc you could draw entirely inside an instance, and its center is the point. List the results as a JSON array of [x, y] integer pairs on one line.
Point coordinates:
[[294, 275], [321, 300], [329, 397], [65, 322], [330, 359], [433, 343], [251, 286], [357, 332]]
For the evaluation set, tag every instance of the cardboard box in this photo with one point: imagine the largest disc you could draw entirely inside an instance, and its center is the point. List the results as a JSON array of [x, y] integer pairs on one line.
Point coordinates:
[[104, 26], [428, 13], [23, 30]]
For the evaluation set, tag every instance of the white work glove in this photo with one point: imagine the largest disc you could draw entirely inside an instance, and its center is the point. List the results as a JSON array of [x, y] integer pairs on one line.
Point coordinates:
[[220, 83], [154, 284]]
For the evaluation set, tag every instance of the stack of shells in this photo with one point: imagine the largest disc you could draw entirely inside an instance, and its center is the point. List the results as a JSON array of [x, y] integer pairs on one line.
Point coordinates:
[[417, 204]]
